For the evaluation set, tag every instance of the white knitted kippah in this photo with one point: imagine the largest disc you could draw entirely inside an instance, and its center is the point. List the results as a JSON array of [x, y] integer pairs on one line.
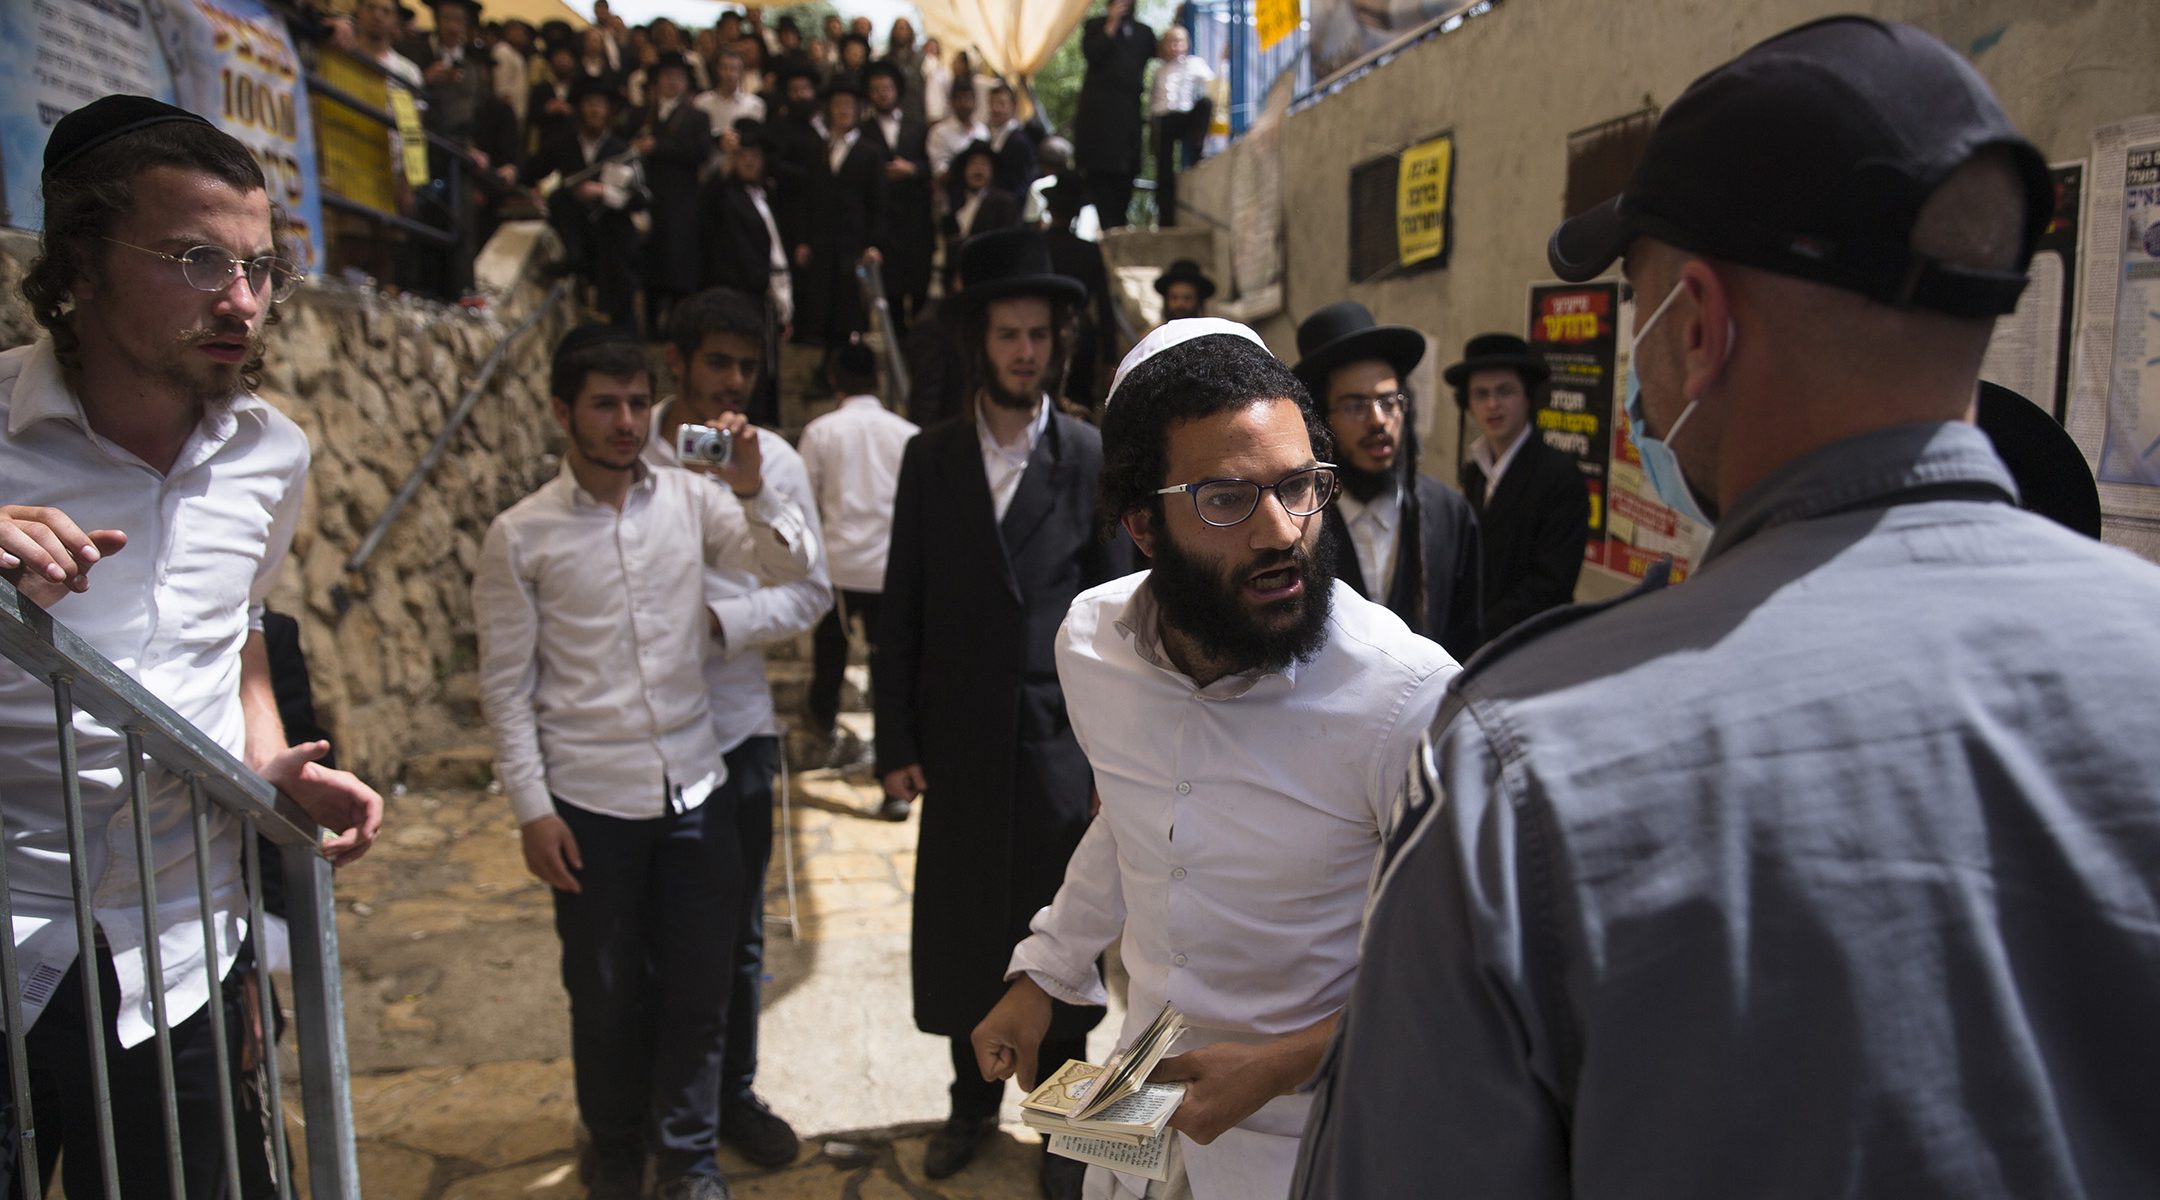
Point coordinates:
[[1175, 333]]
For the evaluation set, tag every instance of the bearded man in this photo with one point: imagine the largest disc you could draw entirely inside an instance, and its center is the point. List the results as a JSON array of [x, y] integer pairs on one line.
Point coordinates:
[[1245, 715], [994, 533]]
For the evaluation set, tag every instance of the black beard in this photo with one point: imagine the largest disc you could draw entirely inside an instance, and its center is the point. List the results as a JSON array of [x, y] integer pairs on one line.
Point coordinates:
[[994, 388], [1365, 486], [1199, 601]]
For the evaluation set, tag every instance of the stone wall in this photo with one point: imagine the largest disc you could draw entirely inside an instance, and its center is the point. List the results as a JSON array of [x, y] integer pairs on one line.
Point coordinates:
[[371, 379]]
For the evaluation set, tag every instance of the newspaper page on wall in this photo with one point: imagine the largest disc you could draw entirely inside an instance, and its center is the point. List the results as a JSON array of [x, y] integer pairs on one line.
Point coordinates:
[[2115, 407], [2030, 350]]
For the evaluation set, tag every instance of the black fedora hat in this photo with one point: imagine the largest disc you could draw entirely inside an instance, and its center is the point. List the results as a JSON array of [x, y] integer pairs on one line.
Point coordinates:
[[593, 85], [888, 69], [1345, 332], [471, 7], [2052, 477], [1004, 263], [673, 60], [753, 133], [978, 146], [1184, 270], [1496, 351], [843, 83]]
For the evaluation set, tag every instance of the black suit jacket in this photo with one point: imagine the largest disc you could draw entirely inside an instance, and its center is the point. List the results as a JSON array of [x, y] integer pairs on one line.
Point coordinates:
[[681, 144], [736, 246], [1013, 167], [1453, 563], [909, 221], [967, 686], [1535, 526]]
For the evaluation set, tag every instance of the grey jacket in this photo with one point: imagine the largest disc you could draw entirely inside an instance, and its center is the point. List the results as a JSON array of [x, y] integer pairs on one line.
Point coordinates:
[[1833, 872]]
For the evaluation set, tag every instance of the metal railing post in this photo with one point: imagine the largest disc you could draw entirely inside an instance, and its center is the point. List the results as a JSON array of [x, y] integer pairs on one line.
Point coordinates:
[[221, 1045], [266, 997], [138, 786], [319, 1018], [86, 949], [26, 1163]]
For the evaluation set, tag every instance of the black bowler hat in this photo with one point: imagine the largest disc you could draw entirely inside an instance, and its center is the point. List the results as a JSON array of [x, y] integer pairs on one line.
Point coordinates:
[[1185, 270], [471, 7], [841, 43], [752, 132], [842, 83], [1811, 155], [2052, 478], [890, 70], [1496, 352], [1346, 333], [104, 119], [1012, 262], [670, 61], [593, 85], [854, 358], [785, 69], [978, 146]]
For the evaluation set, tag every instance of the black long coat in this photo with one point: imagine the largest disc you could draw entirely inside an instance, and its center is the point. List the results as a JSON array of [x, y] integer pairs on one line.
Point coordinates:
[[909, 220], [681, 145], [1454, 568], [967, 686], [1534, 527], [735, 247], [843, 214], [1106, 127]]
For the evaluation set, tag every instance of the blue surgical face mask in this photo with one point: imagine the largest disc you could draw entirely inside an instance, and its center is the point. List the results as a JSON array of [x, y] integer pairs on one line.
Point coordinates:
[[1660, 465]]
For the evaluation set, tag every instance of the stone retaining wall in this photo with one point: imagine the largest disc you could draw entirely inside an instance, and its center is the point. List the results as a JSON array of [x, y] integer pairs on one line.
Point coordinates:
[[371, 380]]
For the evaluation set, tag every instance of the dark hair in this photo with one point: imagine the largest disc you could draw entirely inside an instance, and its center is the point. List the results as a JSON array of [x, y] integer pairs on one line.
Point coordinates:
[[852, 379], [615, 357], [1188, 382], [88, 196], [1002, 86], [715, 310]]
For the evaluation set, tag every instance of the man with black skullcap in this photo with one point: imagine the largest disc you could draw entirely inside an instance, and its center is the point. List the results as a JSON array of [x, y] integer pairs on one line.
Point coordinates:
[[1830, 871], [147, 500], [1249, 719], [1408, 540]]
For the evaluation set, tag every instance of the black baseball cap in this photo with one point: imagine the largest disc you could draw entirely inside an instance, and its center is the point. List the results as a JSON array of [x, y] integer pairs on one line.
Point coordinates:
[[1811, 155]]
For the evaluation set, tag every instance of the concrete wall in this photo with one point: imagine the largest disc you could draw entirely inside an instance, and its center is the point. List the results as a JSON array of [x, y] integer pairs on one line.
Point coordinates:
[[1514, 84], [371, 380]]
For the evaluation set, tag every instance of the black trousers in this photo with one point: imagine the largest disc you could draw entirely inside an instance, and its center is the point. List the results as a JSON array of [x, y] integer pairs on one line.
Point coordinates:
[[646, 954], [600, 245], [1178, 137], [829, 654], [751, 767], [66, 1111], [1111, 193], [973, 1096]]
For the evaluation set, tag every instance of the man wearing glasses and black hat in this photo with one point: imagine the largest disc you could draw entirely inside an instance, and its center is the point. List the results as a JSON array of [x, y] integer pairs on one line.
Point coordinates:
[[1248, 719], [147, 499], [1532, 507], [1830, 871], [1409, 541], [994, 531]]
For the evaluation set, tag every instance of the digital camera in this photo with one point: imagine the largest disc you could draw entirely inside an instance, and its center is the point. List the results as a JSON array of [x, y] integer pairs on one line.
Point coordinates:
[[704, 444]]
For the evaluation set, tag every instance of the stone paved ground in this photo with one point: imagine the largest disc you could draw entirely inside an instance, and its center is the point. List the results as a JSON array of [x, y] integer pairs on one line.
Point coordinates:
[[459, 1027]]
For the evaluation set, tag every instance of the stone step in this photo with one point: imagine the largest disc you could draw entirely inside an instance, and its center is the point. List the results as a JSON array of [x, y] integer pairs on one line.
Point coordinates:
[[457, 768]]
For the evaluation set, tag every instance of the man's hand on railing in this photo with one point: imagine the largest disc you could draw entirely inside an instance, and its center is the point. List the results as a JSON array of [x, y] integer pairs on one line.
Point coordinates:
[[551, 853], [335, 799], [46, 555]]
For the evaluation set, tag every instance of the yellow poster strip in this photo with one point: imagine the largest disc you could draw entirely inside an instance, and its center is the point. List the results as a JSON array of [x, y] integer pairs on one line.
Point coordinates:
[[1421, 199], [1276, 20]]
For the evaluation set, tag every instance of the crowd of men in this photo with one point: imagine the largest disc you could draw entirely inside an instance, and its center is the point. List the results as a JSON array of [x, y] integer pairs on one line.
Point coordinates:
[[771, 160], [1826, 873]]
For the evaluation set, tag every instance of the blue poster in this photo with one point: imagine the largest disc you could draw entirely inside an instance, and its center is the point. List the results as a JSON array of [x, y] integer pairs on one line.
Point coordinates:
[[230, 60]]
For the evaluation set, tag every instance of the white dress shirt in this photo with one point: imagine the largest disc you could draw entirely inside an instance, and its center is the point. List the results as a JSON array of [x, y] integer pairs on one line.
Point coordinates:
[[936, 90], [1179, 84], [1372, 534], [1277, 787], [780, 287], [836, 152], [172, 610], [853, 457], [949, 137], [998, 137], [1004, 465], [726, 110], [511, 79], [753, 612], [593, 638], [1481, 452]]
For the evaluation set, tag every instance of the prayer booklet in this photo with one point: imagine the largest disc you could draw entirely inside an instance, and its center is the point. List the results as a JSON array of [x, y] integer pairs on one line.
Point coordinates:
[[1111, 1115]]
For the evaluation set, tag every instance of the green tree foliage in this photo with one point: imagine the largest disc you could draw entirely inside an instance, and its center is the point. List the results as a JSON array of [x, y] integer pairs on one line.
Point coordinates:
[[811, 17]]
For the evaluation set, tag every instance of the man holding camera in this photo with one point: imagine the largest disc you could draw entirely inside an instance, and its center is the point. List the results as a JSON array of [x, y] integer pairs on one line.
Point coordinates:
[[593, 636]]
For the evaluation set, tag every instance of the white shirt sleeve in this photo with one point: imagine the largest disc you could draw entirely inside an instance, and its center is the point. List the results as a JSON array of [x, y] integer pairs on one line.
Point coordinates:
[[508, 618], [764, 534], [778, 610], [1088, 913], [283, 520]]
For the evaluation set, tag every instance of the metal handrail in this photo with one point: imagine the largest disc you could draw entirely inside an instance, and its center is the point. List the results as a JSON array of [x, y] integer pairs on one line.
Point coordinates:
[[426, 466], [84, 680]]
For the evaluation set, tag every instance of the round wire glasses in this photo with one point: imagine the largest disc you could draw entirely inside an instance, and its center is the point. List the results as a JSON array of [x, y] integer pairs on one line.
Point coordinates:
[[211, 269]]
